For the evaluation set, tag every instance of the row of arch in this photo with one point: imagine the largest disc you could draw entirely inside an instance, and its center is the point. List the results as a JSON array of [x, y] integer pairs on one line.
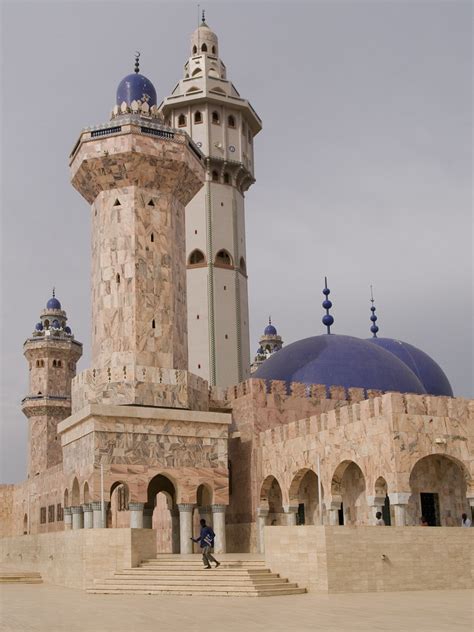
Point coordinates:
[[222, 259], [204, 49], [437, 483]]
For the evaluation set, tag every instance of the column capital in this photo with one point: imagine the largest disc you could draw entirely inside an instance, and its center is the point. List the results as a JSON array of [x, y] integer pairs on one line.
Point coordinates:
[[97, 505], [332, 505], [205, 509], [290, 509], [375, 501], [136, 506], [185, 507], [262, 512], [218, 508], [399, 498], [77, 509], [87, 507], [67, 511]]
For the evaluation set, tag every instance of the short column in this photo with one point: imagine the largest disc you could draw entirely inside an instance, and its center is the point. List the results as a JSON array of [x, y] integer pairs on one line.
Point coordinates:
[[185, 527], [375, 504], [332, 509], [399, 502], [262, 515], [148, 517], [136, 515], [174, 530], [77, 517], [218, 521], [290, 513], [97, 515], [87, 511], [67, 518]]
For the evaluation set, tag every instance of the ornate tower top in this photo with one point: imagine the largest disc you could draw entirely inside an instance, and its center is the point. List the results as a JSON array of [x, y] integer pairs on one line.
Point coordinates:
[[270, 343], [53, 322]]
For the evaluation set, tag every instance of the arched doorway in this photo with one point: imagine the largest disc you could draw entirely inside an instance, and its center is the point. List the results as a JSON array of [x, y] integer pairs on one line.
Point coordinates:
[[381, 494], [438, 486], [271, 499], [161, 513], [348, 483], [75, 495], [304, 494], [203, 510], [118, 515]]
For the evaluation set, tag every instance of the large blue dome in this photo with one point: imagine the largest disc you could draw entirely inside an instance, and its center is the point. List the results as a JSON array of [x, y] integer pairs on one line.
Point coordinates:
[[430, 374], [136, 87], [336, 360], [53, 303], [270, 330]]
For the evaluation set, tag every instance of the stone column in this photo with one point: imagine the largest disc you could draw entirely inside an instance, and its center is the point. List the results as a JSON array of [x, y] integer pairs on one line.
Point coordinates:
[[332, 509], [148, 517], [185, 527], [261, 520], [67, 518], [136, 515], [399, 502], [290, 512], [174, 530], [218, 520], [77, 517], [87, 510], [97, 515]]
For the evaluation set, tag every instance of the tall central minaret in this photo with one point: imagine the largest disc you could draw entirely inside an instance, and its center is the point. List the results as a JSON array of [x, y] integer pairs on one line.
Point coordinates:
[[223, 125]]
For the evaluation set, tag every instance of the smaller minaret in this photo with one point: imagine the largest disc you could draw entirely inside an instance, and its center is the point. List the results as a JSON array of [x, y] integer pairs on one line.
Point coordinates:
[[52, 354], [270, 343]]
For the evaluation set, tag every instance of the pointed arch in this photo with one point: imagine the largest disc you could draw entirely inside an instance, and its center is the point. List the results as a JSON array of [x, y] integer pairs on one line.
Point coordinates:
[[198, 116], [182, 120], [85, 493], [75, 495], [204, 48], [223, 259], [196, 71], [196, 258]]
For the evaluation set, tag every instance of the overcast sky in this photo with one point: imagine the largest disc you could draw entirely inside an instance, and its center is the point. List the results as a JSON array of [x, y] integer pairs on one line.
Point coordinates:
[[363, 166]]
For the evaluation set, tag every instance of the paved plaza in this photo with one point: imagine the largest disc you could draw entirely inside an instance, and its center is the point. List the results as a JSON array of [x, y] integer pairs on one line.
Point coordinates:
[[37, 608]]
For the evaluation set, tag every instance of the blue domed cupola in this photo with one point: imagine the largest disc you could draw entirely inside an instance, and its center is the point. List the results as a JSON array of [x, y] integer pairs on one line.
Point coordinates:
[[270, 343], [270, 330], [53, 302], [430, 374], [136, 87]]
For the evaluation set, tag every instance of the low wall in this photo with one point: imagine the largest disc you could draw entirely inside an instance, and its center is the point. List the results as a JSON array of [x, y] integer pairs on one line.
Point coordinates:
[[76, 558], [350, 559]]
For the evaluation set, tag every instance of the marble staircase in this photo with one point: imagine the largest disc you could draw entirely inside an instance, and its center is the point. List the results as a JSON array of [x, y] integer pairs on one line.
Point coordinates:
[[238, 575]]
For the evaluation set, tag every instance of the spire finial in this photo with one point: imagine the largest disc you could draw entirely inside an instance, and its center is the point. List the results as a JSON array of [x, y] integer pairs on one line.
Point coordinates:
[[203, 18], [137, 61], [54, 292], [269, 320], [327, 319], [373, 317]]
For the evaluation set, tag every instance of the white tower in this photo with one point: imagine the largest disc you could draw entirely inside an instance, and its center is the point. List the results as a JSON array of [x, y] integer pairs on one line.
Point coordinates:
[[223, 126]]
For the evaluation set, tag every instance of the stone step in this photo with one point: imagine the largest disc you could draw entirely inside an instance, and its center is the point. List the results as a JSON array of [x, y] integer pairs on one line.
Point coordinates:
[[195, 581], [224, 590], [200, 567], [19, 577], [198, 560], [217, 576]]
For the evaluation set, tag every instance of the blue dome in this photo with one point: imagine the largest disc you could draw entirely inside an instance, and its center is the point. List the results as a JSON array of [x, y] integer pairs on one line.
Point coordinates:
[[430, 374], [67, 330], [270, 331], [39, 327], [336, 360], [136, 87], [55, 324], [53, 303]]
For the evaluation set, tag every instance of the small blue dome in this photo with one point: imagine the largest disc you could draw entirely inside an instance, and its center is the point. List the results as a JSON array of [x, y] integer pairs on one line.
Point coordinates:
[[430, 374], [53, 303], [336, 360], [269, 331], [55, 324], [39, 327], [67, 330], [136, 87]]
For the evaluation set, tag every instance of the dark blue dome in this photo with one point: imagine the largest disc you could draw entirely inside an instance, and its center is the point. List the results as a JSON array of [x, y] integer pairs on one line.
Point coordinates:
[[39, 327], [56, 324], [136, 87], [53, 303], [67, 330], [336, 360], [270, 330], [430, 374]]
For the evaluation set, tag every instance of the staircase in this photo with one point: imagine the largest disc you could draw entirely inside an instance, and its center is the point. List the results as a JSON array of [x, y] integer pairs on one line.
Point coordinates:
[[237, 576], [20, 577]]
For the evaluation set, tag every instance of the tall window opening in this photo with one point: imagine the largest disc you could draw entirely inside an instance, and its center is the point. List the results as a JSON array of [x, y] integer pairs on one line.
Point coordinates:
[[196, 258], [197, 117], [223, 258], [231, 121], [215, 117], [181, 120]]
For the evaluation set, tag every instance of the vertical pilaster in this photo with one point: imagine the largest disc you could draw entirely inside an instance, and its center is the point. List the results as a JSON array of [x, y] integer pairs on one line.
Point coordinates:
[[399, 502], [88, 518], [290, 512], [185, 527], [262, 515], [136, 515], [97, 515], [218, 520], [77, 517], [67, 518]]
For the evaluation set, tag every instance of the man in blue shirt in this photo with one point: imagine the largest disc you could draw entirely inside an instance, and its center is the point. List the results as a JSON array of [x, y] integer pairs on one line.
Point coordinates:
[[206, 538]]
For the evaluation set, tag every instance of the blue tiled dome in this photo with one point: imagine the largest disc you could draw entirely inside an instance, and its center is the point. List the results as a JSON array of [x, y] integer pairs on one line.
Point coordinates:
[[136, 87], [53, 303], [336, 360], [55, 324], [270, 330], [430, 374], [39, 327], [67, 330]]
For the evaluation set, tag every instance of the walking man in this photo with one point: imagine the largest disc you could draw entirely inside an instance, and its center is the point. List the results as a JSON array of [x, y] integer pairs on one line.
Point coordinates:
[[206, 538]]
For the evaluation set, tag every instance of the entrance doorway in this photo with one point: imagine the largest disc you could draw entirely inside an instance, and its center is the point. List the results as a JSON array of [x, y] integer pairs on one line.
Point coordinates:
[[386, 512], [430, 508], [300, 518]]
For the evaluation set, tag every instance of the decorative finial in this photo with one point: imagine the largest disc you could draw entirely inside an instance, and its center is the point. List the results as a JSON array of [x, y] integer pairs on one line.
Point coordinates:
[[373, 317], [327, 319], [269, 320], [203, 18], [137, 61], [54, 292]]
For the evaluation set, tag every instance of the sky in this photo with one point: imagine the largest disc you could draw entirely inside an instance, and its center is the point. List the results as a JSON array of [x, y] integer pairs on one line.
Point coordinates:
[[363, 166]]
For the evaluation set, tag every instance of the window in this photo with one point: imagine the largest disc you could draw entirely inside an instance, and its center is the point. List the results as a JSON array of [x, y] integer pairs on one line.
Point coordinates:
[[51, 513], [197, 117], [231, 121], [153, 324], [117, 278], [181, 120], [43, 515], [199, 366], [196, 258], [46, 324], [54, 363], [117, 202], [215, 117], [226, 178], [223, 258], [195, 50], [197, 71], [59, 363], [215, 176], [226, 337], [151, 203], [204, 48], [197, 317], [152, 237], [213, 50], [59, 512]]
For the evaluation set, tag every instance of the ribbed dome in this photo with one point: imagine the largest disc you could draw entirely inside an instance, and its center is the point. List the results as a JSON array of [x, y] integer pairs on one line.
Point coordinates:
[[336, 360], [430, 374], [136, 87]]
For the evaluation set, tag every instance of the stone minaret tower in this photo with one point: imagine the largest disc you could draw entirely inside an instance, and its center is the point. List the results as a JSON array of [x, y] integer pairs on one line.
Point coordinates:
[[138, 175], [223, 125], [52, 354], [270, 343]]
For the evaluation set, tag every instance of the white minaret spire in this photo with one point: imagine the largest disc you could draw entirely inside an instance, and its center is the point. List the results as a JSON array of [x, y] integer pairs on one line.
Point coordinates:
[[222, 124]]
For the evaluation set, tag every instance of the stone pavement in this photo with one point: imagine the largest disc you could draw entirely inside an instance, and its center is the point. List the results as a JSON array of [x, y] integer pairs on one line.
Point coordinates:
[[44, 607]]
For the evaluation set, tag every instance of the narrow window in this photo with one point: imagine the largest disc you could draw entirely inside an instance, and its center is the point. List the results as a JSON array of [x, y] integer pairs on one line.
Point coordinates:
[[215, 176], [181, 120], [215, 117], [153, 324], [223, 258], [46, 324], [204, 48], [117, 278], [117, 202], [213, 50], [225, 287], [231, 122], [197, 317], [152, 237], [195, 50], [197, 117], [54, 362], [199, 366], [151, 203], [226, 337], [243, 266], [226, 178], [59, 363], [195, 232]]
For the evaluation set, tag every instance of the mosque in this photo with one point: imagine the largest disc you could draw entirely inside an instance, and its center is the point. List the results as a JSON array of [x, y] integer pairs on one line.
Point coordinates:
[[173, 421]]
